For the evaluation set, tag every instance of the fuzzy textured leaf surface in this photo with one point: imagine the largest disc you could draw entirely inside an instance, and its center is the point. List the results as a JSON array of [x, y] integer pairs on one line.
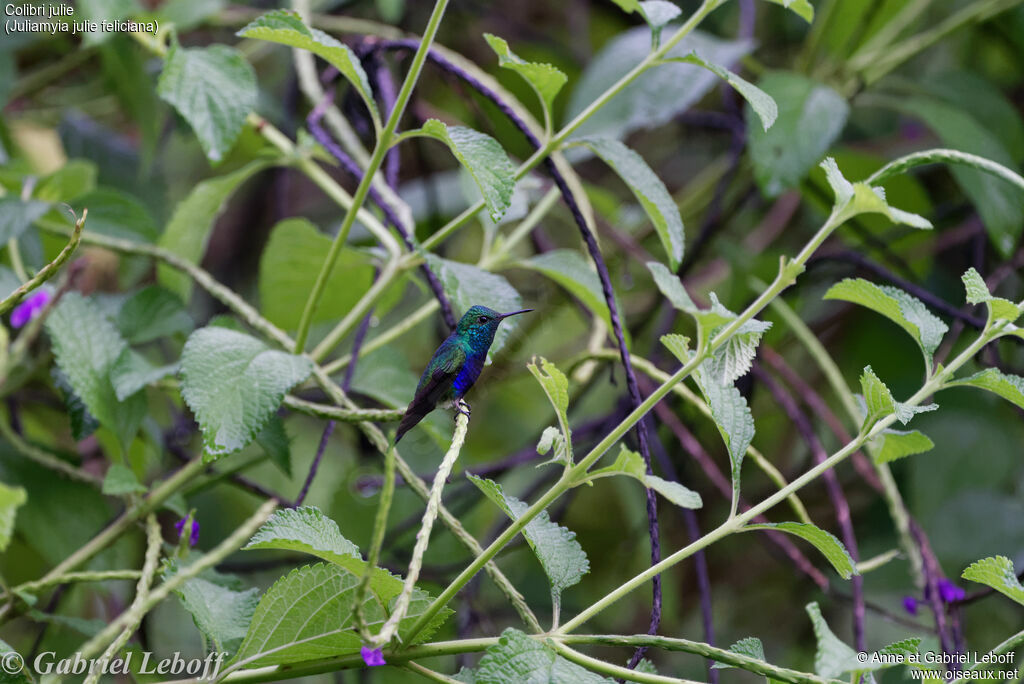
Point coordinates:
[[648, 189], [556, 387], [285, 27], [234, 383], [562, 557], [732, 417], [221, 609], [214, 89], [485, 160], [750, 647], [632, 464], [1009, 387], [998, 573], [977, 293], [761, 102], [833, 657], [830, 547], [308, 530], [518, 658], [545, 79], [896, 444]]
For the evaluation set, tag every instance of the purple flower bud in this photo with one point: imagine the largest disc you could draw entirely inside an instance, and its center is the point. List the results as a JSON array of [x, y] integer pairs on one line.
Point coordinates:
[[29, 307], [372, 656], [194, 536], [949, 592], [910, 604]]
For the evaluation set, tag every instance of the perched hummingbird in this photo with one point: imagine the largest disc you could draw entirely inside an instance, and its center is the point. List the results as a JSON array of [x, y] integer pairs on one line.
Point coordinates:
[[455, 365]]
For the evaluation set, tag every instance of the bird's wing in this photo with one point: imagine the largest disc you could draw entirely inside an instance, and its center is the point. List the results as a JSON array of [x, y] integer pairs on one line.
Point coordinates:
[[437, 378]]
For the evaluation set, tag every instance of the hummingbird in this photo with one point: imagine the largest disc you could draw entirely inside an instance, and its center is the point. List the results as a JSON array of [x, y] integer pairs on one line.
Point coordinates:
[[455, 365]]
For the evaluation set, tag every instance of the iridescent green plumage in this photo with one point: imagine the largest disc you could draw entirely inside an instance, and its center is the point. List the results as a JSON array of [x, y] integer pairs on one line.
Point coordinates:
[[455, 365]]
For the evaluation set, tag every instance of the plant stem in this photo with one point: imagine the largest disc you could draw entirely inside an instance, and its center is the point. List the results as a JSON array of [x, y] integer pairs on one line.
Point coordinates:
[[379, 152], [602, 667], [342, 415], [380, 525], [48, 271]]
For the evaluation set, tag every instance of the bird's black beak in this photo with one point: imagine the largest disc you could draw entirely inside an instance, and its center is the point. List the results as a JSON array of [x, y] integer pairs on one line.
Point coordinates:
[[513, 313]]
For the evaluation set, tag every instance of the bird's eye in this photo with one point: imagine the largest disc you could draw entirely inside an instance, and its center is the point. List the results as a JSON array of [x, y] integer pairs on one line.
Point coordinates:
[[482, 319]]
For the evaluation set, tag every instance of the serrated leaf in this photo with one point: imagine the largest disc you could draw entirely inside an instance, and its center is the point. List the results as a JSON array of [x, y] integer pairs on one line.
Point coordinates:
[[11, 499], [877, 397], [810, 117], [631, 464], [904, 647], [871, 200], [648, 190], [670, 286], [17, 215], [802, 8], [485, 160], [121, 480], [833, 657], [152, 313], [214, 89], [133, 372], [732, 417], [83, 423], [234, 383], [905, 412], [679, 345], [904, 310], [310, 614], [289, 266], [1009, 387], [750, 647], [87, 346], [894, 444], [761, 102], [996, 572], [285, 27], [830, 547], [974, 284], [568, 268], [308, 530], [467, 285], [518, 658], [556, 387], [545, 79], [222, 612], [556, 548], [733, 358], [189, 229]]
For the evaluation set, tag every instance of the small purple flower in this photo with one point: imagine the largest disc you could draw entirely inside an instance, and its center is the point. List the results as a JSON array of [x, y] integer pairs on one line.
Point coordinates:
[[949, 592], [910, 604], [29, 307], [194, 537], [372, 656]]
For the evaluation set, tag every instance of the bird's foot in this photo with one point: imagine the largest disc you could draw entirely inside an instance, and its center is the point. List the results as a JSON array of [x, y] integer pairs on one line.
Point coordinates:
[[462, 407]]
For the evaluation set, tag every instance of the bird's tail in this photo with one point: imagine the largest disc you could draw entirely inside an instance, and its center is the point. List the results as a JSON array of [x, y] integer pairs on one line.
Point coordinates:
[[409, 420]]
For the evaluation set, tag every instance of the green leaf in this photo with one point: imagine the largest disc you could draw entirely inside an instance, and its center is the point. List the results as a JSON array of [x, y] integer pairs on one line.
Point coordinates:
[[76, 178], [833, 657], [285, 27], [308, 530], [132, 372], [631, 464], [121, 480], [996, 572], [810, 118], [904, 310], [656, 96], [545, 79], [467, 285], [518, 658], [830, 547], [310, 614], [152, 313], [118, 214], [647, 188], [761, 102], [20, 677], [732, 416], [83, 423], [750, 647], [895, 444], [678, 345], [672, 287], [188, 231], [234, 383], [87, 347], [100, 11], [877, 397], [853, 199], [221, 609], [485, 160], [552, 440], [733, 358], [977, 293], [11, 499], [1009, 387], [289, 266], [556, 387], [657, 13], [274, 440], [214, 89], [561, 556], [571, 270], [801, 8], [17, 215]]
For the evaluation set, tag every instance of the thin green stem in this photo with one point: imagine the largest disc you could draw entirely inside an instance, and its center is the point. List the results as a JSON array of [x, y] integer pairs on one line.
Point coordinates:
[[945, 156], [48, 271], [376, 159], [602, 667], [380, 526], [342, 415], [45, 458], [97, 576]]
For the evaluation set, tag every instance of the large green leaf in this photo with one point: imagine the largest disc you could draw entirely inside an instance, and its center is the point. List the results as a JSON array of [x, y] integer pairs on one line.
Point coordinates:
[[152, 313], [830, 547], [833, 658], [654, 97], [11, 498], [545, 79], [310, 614], [562, 557], [214, 89], [997, 572], [87, 347], [221, 608], [570, 269], [188, 231], [289, 266], [485, 160], [903, 309], [649, 191], [287, 28], [810, 118], [631, 464], [518, 658], [234, 383], [1009, 387], [308, 530]]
